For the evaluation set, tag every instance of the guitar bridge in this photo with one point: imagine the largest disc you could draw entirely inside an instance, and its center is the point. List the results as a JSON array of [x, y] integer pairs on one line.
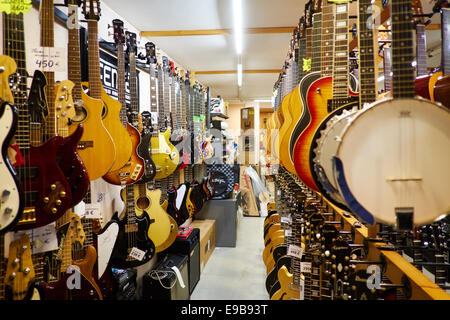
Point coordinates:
[[131, 228]]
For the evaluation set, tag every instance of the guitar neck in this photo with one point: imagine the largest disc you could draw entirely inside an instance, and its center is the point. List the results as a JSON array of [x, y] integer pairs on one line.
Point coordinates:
[[130, 206], [387, 69], [47, 41], [14, 46], [421, 48], [445, 19], [133, 90], [340, 56], [402, 50], [328, 25], [368, 91], [73, 55], [161, 115], [316, 43], [121, 83], [95, 83]]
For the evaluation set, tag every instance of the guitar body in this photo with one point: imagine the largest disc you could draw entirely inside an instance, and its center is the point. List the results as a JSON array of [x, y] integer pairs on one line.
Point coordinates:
[[171, 208], [59, 290], [86, 266], [271, 231], [95, 140], [133, 170], [73, 167], [120, 256], [442, 91], [143, 151], [173, 234], [166, 157], [432, 83], [283, 134], [119, 134], [286, 291], [274, 218], [190, 206], [319, 92], [267, 253], [275, 136], [272, 283], [421, 87], [13, 203], [148, 204], [182, 198], [9, 67], [44, 185]]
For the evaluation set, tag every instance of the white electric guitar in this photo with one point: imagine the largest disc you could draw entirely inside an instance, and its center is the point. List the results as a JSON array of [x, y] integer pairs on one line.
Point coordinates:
[[392, 162]]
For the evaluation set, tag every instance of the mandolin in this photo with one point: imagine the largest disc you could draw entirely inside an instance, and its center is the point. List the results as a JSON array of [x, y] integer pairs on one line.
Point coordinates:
[[412, 129], [12, 193], [95, 138], [133, 170], [328, 93]]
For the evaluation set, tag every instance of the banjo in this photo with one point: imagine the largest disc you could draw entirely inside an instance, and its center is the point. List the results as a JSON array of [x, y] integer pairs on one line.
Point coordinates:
[[328, 142], [391, 165]]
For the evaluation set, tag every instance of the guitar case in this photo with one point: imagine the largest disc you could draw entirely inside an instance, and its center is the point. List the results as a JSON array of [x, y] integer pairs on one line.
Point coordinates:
[[224, 178]]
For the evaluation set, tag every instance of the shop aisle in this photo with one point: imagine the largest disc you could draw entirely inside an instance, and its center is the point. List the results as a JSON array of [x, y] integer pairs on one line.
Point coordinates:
[[236, 273]]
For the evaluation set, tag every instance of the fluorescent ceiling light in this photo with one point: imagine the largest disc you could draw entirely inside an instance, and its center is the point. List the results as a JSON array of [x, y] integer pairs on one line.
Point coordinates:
[[239, 74], [237, 10], [262, 100]]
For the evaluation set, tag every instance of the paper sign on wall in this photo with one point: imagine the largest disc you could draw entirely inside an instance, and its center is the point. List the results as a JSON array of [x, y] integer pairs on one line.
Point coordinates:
[[49, 59]]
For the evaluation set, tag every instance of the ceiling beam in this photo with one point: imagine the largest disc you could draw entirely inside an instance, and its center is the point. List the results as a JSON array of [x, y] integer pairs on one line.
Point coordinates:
[[214, 32], [235, 71]]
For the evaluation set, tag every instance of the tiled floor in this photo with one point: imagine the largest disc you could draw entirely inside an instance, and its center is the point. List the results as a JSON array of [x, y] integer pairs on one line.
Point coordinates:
[[236, 273]]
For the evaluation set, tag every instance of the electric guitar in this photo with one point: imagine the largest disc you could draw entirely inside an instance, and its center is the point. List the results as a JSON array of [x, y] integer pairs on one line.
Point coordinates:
[[441, 86], [112, 119], [133, 246], [95, 138], [12, 194], [133, 170]]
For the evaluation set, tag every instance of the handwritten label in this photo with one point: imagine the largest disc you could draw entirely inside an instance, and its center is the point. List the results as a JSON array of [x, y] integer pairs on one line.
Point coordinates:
[[295, 251], [305, 267], [15, 6], [42, 239], [49, 59], [137, 254], [288, 233], [92, 211], [286, 219]]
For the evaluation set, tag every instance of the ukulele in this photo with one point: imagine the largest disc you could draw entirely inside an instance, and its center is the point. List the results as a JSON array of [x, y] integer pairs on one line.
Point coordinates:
[[47, 194], [95, 138], [404, 181], [111, 115], [133, 170], [12, 193]]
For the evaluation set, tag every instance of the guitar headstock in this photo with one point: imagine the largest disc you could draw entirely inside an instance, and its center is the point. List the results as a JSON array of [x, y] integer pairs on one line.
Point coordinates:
[[19, 272], [165, 63], [64, 103], [417, 10], [37, 102], [172, 70], [75, 232], [340, 259], [91, 9], [301, 34], [150, 52], [73, 3], [119, 35], [317, 6], [131, 42]]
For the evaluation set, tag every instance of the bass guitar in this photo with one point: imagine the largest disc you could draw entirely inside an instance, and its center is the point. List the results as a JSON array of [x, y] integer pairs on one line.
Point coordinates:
[[133, 170]]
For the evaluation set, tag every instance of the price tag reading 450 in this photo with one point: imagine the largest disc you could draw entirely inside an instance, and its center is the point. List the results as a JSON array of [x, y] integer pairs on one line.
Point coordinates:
[[49, 59], [295, 251]]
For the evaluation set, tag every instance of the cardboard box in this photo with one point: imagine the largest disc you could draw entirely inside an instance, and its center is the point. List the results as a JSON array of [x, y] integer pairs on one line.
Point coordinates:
[[207, 239]]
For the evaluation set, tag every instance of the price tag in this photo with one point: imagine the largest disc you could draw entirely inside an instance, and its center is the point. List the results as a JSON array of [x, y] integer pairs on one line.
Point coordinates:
[[49, 59], [15, 6], [295, 251], [92, 211], [286, 219], [137, 254], [288, 233], [305, 267]]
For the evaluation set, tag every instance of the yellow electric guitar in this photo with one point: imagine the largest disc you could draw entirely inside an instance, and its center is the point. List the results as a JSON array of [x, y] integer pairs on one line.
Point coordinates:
[[113, 120], [173, 227], [147, 200], [8, 66], [96, 147]]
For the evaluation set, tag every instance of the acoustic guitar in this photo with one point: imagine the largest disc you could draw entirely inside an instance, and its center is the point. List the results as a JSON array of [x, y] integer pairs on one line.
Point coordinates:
[[95, 138], [133, 170]]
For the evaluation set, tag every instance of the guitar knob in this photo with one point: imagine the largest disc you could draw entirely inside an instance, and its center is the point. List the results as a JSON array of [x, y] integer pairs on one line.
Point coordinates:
[[53, 187], [54, 210], [26, 271], [91, 292], [15, 262], [46, 200], [58, 202], [12, 276], [62, 194]]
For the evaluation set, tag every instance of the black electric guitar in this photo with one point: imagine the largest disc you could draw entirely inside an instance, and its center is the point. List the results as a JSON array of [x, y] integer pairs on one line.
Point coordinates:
[[133, 246]]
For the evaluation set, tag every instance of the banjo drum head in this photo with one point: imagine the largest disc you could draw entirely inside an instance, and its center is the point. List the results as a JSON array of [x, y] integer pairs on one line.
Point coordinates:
[[395, 157]]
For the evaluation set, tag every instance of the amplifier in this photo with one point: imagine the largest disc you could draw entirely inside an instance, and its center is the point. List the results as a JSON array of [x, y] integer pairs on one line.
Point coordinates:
[[190, 247], [163, 283], [125, 282]]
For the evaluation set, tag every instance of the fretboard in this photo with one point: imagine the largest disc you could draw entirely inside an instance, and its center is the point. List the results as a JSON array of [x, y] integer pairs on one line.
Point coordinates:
[[421, 46], [309, 35], [129, 202], [316, 43], [340, 56], [73, 55], [95, 83], [445, 18], [367, 77], [328, 13], [161, 117], [133, 90], [121, 83], [14, 46], [387, 62], [403, 73]]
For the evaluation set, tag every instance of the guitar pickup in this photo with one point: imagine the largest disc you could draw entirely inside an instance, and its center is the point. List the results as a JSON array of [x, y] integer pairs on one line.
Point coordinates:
[[28, 216], [136, 172], [85, 144]]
